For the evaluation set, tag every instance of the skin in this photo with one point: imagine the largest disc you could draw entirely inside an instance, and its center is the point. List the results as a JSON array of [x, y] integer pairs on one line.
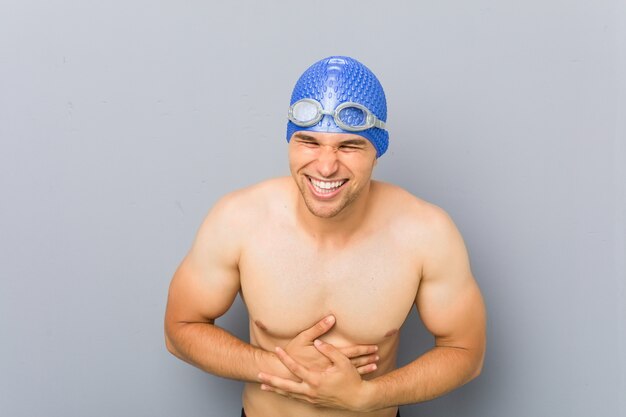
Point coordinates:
[[328, 276]]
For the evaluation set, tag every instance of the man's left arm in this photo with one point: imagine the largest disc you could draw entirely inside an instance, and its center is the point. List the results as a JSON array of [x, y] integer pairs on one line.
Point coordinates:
[[451, 307]]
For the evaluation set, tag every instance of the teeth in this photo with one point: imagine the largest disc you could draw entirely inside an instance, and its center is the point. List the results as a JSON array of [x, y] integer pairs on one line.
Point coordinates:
[[326, 187]]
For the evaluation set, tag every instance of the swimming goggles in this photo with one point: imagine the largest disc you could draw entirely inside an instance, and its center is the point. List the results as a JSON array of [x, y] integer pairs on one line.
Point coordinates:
[[349, 116]]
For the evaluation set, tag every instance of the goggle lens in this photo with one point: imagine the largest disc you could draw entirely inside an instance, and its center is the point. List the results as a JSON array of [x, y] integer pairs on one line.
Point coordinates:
[[305, 111], [352, 116]]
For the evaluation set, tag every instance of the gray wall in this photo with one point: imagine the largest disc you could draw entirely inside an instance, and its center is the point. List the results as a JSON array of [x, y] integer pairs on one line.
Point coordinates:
[[121, 123]]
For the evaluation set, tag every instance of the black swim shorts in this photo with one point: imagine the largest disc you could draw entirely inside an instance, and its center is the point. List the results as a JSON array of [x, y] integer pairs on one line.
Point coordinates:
[[243, 414]]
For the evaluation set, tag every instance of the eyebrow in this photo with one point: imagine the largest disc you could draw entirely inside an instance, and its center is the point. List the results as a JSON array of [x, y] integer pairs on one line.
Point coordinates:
[[359, 142], [303, 136], [353, 141]]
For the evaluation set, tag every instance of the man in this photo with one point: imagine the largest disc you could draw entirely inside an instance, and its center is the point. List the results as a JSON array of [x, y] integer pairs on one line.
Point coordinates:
[[329, 263]]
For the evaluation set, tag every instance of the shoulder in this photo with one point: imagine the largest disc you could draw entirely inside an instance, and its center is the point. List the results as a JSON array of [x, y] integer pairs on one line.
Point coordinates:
[[421, 227], [231, 219], [411, 213], [428, 231], [240, 207]]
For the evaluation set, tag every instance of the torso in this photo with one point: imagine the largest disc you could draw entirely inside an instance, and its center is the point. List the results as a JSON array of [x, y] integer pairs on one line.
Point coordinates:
[[289, 282]]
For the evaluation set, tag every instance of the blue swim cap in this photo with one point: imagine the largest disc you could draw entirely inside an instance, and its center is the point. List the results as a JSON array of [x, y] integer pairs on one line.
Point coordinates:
[[339, 79]]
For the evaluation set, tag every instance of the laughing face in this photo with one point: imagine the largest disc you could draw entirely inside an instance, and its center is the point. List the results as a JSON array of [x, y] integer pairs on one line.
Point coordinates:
[[330, 169]]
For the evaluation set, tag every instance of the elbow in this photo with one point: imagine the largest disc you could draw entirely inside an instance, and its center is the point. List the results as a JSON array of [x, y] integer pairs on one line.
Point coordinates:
[[473, 372], [478, 366], [171, 348], [169, 342], [171, 333], [169, 345]]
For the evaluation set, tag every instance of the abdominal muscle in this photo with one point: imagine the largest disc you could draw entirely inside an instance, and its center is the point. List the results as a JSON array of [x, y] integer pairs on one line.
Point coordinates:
[[369, 308], [259, 403]]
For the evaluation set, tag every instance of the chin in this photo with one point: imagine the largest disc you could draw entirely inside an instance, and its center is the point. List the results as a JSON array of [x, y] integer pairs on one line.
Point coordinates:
[[324, 213], [327, 209], [322, 210]]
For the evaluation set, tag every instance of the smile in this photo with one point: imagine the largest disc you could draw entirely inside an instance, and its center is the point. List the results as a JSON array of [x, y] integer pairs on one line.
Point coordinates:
[[326, 188]]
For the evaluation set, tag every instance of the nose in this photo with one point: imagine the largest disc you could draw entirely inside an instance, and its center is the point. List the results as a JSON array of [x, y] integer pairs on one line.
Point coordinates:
[[327, 161]]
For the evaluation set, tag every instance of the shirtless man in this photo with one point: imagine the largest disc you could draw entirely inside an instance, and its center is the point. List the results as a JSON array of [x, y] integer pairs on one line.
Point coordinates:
[[329, 263]]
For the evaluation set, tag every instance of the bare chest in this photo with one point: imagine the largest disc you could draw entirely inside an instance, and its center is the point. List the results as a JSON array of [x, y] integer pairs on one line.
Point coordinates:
[[288, 286]]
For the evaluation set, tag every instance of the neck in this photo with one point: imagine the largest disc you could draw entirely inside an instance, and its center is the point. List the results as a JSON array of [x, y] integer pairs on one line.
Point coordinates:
[[336, 230]]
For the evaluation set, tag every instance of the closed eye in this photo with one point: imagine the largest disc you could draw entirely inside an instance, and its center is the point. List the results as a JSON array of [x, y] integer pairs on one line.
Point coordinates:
[[353, 145], [309, 143], [306, 140]]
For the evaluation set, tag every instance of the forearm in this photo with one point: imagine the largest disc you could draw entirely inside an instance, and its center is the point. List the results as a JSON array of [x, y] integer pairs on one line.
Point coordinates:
[[214, 350], [437, 372]]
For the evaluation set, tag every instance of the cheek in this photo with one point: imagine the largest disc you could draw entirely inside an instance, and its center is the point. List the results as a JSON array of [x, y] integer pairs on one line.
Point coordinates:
[[300, 157], [293, 158], [360, 165], [296, 165]]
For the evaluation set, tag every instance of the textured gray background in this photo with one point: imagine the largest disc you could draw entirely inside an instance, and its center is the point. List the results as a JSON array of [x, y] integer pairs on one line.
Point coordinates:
[[121, 123]]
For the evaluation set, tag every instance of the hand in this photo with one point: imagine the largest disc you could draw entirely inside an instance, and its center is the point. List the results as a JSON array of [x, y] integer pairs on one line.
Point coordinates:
[[301, 349], [339, 386], [362, 357]]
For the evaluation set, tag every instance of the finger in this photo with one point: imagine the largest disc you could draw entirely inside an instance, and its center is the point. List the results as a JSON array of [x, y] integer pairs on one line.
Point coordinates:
[[279, 385], [358, 350], [364, 360], [269, 388], [367, 369], [287, 394], [318, 329], [297, 369], [331, 352]]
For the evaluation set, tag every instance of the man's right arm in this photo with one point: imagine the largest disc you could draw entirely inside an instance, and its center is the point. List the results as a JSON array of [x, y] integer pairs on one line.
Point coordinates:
[[203, 289]]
